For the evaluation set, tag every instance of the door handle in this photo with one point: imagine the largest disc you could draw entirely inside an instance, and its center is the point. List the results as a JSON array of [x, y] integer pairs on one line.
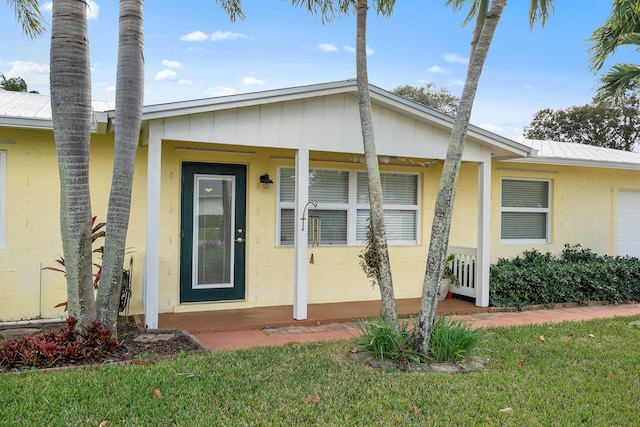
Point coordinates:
[[239, 240]]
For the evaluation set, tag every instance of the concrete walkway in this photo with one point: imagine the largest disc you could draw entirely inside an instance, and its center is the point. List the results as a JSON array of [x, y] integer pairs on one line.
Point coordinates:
[[300, 334]]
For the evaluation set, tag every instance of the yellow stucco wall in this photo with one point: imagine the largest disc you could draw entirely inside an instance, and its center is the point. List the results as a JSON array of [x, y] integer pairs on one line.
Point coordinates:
[[583, 206], [32, 221]]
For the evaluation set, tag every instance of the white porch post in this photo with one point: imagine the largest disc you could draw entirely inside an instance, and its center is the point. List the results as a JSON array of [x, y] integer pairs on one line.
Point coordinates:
[[484, 229], [300, 236], [152, 264]]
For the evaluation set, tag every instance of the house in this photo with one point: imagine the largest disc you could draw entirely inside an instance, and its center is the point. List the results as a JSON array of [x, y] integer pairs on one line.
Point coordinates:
[[260, 199]]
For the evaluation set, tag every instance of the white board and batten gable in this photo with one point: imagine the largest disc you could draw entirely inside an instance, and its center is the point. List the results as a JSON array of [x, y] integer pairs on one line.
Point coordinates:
[[322, 117]]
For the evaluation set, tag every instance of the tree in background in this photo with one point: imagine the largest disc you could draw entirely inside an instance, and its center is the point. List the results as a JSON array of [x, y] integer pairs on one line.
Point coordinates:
[[29, 17], [622, 28], [603, 123], [379, 263], [429, 95], [486, 17], [14, 84]]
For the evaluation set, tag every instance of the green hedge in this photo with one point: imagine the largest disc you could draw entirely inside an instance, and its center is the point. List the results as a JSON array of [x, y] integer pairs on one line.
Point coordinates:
[[579, 275]]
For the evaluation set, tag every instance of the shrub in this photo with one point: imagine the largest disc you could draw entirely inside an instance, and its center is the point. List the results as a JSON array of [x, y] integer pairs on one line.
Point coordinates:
[[53, 348], [451, 341], [454, 340], [579, 276], [379, 338]]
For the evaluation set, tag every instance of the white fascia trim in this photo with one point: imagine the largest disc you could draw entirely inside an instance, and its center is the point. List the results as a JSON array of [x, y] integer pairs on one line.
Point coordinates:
[[576, 162], [26, 123], [45, 124]]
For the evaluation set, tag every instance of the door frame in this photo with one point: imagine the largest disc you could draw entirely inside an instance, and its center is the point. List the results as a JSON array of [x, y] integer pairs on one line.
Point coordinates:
[[190, 170]]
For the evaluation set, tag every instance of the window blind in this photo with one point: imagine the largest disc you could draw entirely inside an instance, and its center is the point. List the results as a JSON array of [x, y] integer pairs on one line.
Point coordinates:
[[524, 225], [525, 194], [400, 225], [397, 189], [324, 186], [525, 210], [328, 226]]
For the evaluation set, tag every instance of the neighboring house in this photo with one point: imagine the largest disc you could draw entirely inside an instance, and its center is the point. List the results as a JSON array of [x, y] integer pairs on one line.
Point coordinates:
[[209, 231]]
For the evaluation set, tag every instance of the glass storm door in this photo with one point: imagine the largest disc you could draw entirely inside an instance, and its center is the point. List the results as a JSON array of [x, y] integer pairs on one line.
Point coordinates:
[[212, 253]]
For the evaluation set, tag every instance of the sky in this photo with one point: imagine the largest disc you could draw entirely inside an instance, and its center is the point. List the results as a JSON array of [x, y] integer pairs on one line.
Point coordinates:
[[195, 52]]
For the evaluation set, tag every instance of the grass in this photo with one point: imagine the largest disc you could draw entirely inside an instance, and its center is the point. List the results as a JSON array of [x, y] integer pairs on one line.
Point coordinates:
[[582, 373]]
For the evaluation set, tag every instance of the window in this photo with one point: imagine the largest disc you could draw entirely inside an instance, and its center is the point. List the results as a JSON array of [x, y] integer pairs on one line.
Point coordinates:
[[342, 198], [525, 211]]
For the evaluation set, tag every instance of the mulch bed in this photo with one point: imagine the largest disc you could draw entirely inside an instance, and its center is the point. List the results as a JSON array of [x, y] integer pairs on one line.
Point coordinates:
[[145, 351]]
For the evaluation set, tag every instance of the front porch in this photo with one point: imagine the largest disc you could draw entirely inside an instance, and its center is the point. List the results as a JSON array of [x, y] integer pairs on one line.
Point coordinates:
[[318, 314]]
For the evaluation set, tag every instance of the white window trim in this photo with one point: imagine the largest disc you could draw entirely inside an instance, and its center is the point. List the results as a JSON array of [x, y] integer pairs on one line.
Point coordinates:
[[546, 210], [3, 198], [352, 207]]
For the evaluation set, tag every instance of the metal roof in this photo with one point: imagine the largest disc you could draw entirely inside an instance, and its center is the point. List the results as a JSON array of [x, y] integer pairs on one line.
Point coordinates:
[[574, 154], [33, 110]]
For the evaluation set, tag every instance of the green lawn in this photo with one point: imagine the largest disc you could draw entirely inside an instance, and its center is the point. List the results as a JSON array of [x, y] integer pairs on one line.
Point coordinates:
[[582, 374]]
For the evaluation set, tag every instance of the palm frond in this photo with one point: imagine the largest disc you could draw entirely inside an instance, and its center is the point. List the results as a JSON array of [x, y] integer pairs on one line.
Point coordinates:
[[618, 80], [327, 10], [539, 10], [29, 17], [623, 21], [233, 8]]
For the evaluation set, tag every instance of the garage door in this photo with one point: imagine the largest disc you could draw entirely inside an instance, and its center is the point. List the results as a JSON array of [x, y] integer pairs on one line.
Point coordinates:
[[629, 223]]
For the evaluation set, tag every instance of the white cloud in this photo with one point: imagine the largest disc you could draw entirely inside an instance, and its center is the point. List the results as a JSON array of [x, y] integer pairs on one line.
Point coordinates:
[[171, 64], [219, 91], [27, 67], [353, 49], [227, 35], [452, 58], [437, 69], [493, 128], [457, 82], [166, 75], [529, 87], [196, 36], [36, 75], [185, 82], [252, 81], [327, 47], [110, 89]]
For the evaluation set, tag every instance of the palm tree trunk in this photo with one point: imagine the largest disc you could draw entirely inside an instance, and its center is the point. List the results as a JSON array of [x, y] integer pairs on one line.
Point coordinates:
[[447, 191], [129, 101], [379, 233], [70, 81]]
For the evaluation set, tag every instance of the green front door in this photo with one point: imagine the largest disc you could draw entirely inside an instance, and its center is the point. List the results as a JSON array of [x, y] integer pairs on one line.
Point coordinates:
[[212, 247]]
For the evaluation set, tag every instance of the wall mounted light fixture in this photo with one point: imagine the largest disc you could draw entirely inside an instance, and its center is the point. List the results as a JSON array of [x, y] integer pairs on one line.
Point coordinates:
[[265, 180]]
